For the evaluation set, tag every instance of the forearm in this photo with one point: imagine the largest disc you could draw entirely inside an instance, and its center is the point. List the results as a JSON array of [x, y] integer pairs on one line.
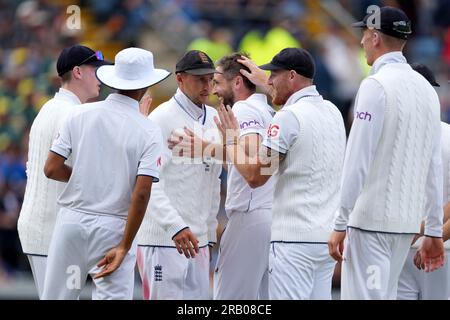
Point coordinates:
[[136, 214], [446, 228], [248, 167], [62, 173]]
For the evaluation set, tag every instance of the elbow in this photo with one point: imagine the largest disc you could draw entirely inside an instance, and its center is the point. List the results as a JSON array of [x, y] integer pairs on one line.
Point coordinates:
[[143, 196], [49, 171]]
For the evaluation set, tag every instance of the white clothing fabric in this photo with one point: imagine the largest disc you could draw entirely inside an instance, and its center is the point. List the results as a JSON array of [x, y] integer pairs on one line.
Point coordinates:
[[169, 275], [392, 173], [415, 284], [307, 181], [188, 194], [78, 244], [38, 265], [242, 264], [372, 264], [94, 134], [300, 271], [38, 214], [254, 116]]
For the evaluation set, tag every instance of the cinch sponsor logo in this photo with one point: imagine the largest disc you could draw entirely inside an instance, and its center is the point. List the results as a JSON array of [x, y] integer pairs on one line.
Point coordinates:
[[250, 123], [363, 115]]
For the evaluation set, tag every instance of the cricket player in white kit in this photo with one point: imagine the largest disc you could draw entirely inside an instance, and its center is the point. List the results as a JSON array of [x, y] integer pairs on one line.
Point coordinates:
[[181, 220], [241, 271], [76, 66], [414, 284], [307, 137], [392, 174], [115, 154]]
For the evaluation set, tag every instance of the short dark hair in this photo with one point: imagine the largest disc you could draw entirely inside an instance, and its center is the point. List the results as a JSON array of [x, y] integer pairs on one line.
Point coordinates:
[[66, 77], [231, 68]]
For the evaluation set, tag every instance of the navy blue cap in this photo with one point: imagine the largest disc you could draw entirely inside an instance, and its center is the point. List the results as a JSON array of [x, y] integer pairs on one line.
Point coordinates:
[[393, 22], [296, 59], [78, 55], [425, 72]]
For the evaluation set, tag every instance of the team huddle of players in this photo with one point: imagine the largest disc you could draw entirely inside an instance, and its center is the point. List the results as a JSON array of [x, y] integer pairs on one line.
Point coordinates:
[[137, 188]]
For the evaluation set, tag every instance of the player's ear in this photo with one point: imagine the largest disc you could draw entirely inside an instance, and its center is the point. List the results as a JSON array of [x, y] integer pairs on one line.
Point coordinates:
[[292, 74], [238, 81], [179, 77], [76, 72]]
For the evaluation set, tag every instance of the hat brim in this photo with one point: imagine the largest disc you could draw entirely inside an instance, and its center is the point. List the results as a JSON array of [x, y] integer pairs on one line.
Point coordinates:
[[106, 75], [435, 84], [359, 24], [201, 71], [271, 67]]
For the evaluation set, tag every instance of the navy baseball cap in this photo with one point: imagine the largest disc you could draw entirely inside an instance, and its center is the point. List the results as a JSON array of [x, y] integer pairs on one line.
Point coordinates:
[[392, 22], [296, 59], [78, 55], [425, 72], [195, 62]]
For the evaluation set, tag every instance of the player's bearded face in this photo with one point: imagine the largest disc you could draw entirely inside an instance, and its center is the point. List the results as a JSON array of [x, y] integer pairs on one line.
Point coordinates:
[[278, 81], [222, 89]]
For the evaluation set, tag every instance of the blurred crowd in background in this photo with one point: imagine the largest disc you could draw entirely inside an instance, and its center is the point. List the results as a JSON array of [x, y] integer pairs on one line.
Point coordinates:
[[32, 34]]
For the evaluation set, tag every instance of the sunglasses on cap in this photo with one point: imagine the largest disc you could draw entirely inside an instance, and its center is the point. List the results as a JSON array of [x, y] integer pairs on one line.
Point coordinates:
[[98, 55]]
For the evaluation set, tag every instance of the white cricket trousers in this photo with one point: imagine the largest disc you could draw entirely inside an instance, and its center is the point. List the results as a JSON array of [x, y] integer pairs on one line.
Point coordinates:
[[78, 243], [415, 284], [169, 275], [38, 265], [300, 271], [241, 271], [372, 264]]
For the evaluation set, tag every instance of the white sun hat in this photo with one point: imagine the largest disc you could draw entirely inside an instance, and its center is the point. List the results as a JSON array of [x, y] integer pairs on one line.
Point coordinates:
[[133, 69]]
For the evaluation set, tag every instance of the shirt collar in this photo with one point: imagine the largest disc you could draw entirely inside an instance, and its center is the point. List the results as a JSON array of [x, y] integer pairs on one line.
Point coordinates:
[[309, 91], [261, 98], [191, 108], [67, 95], [123, 100], [390, 57]]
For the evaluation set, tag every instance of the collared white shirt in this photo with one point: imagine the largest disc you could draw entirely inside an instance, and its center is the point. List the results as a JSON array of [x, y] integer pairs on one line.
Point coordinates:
[[284, 129], [254, 115], [370, 106], [67, 95], [194, 111], [111, 143]]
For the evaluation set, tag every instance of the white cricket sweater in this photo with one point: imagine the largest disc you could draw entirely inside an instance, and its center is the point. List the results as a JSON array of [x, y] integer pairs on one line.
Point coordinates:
[[306, 194], [188, 192], [393, 198], [445, 143], [39, 208], [446, 160]]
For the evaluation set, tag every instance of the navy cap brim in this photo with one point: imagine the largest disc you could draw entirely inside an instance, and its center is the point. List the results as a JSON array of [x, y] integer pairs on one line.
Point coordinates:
[[359, 24], [99, 63], [271, 67], [201, 71]]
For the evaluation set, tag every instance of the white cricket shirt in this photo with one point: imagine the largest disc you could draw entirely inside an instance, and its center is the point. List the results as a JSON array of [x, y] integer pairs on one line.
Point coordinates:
[[111, 143]]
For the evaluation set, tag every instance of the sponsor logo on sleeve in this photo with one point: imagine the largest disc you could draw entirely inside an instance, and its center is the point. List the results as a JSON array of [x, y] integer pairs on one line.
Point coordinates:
[[364, 116], [273, 130], [248, 124]]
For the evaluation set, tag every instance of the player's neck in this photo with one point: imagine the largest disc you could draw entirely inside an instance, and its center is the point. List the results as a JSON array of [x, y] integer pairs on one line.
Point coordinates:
[[75, 90]]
